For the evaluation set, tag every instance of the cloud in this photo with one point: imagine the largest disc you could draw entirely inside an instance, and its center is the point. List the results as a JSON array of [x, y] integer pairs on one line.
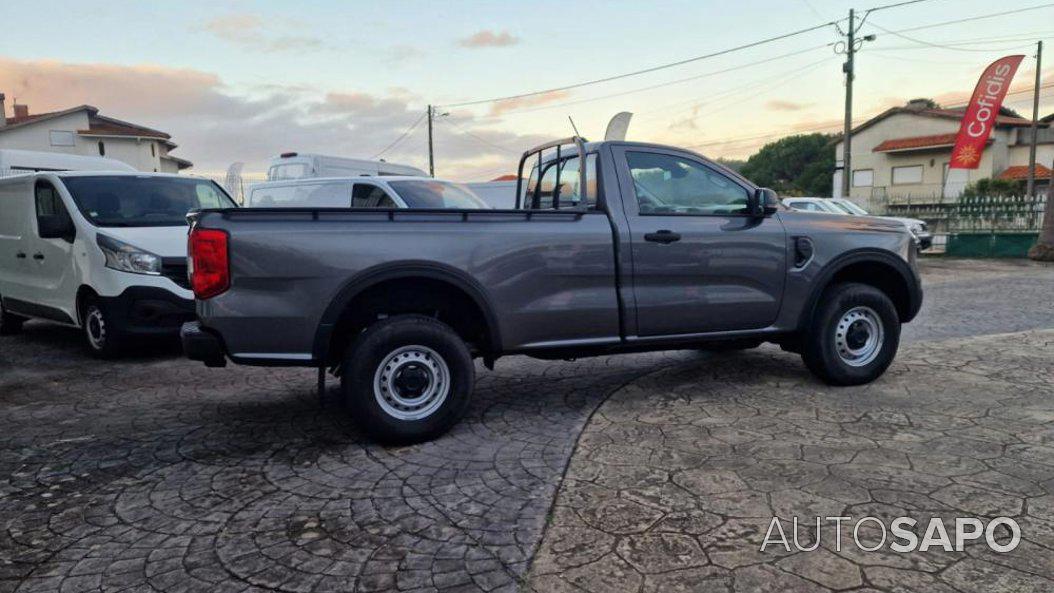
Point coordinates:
[[215, 127], [248, 31], [528, 102], [488, 38], [781, 105]]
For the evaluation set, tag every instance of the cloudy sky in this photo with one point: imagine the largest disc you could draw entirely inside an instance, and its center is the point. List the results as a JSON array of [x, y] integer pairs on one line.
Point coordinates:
[[243, 81]]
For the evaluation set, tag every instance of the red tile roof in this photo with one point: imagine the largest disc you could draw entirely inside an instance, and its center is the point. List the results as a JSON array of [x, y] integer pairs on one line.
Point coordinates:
[[916, 142], [509, 177], [115, 129], [1018, 172]]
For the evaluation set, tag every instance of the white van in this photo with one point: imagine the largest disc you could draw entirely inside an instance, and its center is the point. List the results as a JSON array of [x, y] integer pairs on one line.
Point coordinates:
[[363, 192], [17, 162], [102, 251], [293, 165]]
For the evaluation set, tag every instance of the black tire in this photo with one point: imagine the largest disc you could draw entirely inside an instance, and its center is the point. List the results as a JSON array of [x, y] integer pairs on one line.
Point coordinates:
[[423, 348], [102, 335], [837, 346], [10, 323]]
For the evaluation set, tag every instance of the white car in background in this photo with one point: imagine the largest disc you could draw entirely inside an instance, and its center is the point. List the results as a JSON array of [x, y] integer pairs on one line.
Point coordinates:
[[843, 207], [363, 192]]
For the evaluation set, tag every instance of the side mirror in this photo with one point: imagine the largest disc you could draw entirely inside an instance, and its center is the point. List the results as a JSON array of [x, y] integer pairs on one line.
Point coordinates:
[[56, 227], [763, 202]]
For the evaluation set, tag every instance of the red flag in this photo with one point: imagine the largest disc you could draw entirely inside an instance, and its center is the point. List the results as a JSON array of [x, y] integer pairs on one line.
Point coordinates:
[[981, 113]]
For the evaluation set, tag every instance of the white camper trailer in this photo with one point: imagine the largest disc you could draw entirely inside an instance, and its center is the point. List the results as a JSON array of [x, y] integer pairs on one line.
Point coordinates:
[[294, 165]]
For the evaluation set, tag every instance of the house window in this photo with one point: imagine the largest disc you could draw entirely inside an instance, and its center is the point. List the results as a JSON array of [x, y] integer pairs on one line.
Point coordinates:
[[907, 175], [102, 148], [863, 177], [60, 137]]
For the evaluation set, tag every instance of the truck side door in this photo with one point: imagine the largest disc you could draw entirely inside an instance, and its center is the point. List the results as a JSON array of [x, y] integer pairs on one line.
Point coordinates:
[[700, 263]]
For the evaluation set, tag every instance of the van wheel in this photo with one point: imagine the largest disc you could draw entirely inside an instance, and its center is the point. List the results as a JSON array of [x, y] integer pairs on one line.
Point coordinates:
[[854, 335], [407, 379], [101, 333], [10, 323]]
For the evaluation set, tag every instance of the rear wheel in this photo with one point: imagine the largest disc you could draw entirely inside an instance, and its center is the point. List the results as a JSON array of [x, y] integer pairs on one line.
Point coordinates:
[[853, 336], [408, 378], [9, 322], [101, 333]]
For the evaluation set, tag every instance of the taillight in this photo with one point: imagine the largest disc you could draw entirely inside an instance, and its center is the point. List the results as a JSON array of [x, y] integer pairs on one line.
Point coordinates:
[[207, 262]]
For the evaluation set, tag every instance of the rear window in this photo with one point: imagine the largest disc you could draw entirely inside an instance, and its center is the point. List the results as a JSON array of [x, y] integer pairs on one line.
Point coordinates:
[[130, 201], [287, 171], [315, 195], [437, 194]]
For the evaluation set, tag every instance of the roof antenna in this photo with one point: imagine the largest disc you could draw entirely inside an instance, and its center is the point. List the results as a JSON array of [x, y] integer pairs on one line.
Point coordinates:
[[573, 126]]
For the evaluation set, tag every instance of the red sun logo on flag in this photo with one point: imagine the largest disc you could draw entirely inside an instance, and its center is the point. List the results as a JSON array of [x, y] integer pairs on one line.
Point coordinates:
[[968, 156]]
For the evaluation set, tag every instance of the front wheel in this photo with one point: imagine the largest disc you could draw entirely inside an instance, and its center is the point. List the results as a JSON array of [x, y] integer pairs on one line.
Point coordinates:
[[407, 379], [854, 335], [101, 333]]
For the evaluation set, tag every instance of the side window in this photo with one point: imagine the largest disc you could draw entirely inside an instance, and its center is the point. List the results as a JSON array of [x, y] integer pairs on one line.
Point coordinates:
[[49, 207], [667, 184], [207, 196], [325, 195], [365, 195]]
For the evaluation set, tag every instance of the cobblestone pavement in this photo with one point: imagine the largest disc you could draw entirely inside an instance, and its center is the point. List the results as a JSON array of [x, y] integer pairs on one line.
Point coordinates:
[[157, 474], [678, 475]]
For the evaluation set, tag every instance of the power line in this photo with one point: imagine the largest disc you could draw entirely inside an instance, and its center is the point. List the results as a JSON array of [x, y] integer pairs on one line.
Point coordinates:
[[466, 132], [669, 83], [392, 145], [973, 18], [646, 70], [939, 45]]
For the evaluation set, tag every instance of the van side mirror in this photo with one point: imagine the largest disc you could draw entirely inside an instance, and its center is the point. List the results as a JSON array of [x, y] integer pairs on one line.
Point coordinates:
[[763, 202], [56, 227]]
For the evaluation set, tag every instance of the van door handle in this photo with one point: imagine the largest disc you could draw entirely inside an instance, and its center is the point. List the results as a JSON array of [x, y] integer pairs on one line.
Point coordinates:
[[38, 256], [20, 255], [663, 236]]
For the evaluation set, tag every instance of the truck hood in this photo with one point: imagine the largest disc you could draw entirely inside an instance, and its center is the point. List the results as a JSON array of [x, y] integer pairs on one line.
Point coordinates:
[[166, 241], [845, 222], [907, 221]]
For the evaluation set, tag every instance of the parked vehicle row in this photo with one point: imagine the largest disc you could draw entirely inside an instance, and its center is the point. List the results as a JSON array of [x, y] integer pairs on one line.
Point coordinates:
[[612, 247], [842, 206]]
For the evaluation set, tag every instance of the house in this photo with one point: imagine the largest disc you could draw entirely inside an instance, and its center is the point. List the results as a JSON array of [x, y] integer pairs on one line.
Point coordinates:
[[82, 131], [902, 155]]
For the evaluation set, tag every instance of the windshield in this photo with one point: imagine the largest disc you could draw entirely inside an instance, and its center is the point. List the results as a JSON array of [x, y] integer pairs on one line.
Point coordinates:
[[132, 201], [851, 208], [437, 194]]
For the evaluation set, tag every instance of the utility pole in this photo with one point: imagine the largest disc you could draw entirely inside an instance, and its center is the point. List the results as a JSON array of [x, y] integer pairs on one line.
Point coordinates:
[[431, 154], [847, 134], [1031, 188]]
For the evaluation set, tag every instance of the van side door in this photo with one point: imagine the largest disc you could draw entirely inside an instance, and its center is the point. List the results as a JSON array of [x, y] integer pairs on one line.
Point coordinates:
[[52, 275], [701, 264], [16, 206]]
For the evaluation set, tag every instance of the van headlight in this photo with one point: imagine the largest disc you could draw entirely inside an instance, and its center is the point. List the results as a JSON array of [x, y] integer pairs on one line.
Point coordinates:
[[126, 258]]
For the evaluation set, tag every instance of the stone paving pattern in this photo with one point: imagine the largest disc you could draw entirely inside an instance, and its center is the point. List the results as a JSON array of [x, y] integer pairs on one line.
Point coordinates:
[[677, 476], [157, 474]]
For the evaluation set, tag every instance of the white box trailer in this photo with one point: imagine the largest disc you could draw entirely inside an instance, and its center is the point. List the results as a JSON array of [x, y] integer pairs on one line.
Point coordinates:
[[17, 162], [298, 165]]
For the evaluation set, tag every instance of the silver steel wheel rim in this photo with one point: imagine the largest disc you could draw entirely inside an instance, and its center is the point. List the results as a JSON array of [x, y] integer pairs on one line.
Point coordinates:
[[95, 328], [392, 391], [858, 336]]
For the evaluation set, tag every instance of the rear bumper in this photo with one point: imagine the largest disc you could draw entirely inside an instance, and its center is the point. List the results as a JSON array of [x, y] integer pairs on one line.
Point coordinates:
[[202, 345], [148, 311]]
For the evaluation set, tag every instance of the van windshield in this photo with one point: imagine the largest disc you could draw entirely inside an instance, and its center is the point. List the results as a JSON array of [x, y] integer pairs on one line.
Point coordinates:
[[131, 201], [437, 194]]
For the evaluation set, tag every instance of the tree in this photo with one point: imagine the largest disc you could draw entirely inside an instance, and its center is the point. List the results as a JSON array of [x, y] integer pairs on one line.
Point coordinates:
[[1043, 250], [795, 165], [734, 164]]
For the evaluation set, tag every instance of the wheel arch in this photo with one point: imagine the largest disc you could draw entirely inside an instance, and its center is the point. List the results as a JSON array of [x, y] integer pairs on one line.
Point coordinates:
[[84, 292], [881, 269], [403, 274]]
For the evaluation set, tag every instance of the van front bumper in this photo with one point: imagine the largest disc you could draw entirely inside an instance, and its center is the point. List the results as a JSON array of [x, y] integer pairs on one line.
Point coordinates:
[[148, 311], [202, 345]]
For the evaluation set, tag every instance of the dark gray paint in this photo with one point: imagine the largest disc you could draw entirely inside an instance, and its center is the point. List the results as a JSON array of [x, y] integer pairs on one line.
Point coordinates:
[[551, 281]]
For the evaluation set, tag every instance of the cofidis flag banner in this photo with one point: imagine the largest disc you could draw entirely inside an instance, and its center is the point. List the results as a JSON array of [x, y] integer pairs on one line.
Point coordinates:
[[981, 113]]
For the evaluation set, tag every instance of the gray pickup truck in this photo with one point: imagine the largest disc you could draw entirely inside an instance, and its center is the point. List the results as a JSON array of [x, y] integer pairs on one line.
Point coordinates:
[[613, 247]]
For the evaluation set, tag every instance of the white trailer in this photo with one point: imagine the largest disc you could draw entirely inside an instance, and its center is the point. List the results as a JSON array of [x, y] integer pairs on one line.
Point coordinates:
[[296, 165]]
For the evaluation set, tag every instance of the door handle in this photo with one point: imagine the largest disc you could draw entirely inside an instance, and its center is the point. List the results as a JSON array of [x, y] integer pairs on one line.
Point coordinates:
[[20, 255], [663, 236], [38, 256]]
